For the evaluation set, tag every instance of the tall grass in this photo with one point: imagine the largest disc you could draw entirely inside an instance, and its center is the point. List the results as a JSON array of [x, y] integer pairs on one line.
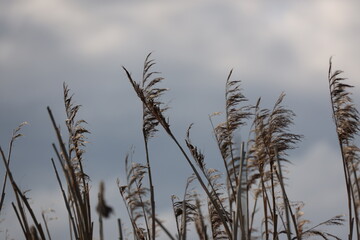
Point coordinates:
[[346, 119], [246, 199]]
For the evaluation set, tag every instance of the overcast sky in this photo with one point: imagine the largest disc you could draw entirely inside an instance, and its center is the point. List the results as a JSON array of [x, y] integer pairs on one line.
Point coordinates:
[[272, 47]]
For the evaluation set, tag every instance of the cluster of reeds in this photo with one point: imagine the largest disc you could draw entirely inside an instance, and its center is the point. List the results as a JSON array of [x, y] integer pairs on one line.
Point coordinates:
[[248, 201], [76, 192], [22, 206], [253, 170]]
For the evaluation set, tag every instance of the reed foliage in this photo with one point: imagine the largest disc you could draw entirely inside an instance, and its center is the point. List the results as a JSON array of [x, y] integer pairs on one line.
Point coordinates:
[[246, 199]]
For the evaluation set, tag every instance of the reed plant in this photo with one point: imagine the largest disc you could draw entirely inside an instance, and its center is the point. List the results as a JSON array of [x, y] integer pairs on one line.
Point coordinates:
[[346, 118], [246, 199]]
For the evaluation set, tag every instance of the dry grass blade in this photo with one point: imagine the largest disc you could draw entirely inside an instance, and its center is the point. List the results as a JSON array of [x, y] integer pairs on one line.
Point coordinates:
[[77, 139], [200, 226], [212, 176], [121, 236], [195, 152], [46, 219], [184, 210], [156, 111], [152, 93], [236, 116], [67, 203], [315, 231], [152, 106], [272, 140], [70, 158], [15, 135], [22, 206], [150, 123], [345, 115], [21, 199], [241, 217], [134, 197], [347, 124], [217, 227]]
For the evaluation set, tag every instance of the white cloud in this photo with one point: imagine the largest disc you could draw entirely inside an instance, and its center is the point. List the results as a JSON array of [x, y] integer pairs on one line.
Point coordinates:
[[78, 30], [226, 35], [95, 30]]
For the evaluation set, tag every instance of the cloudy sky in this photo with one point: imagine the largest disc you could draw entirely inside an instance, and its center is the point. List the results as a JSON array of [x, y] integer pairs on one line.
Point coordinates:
[[272, 47]]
